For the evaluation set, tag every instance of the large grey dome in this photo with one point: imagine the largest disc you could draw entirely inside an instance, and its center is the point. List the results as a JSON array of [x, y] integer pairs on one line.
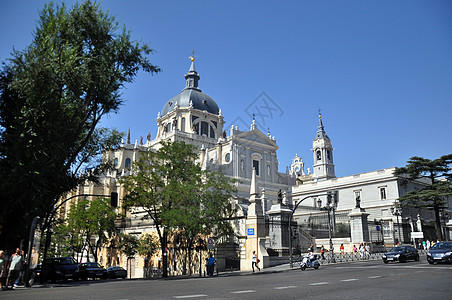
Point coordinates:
[[192, 94], [199, 100]]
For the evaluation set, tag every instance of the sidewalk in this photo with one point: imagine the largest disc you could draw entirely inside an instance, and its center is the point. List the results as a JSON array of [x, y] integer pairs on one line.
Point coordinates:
[[296, 265]]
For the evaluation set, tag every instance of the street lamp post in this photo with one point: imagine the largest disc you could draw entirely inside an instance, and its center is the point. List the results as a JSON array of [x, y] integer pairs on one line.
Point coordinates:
[[290, 226], [329, 207], [397, 212]]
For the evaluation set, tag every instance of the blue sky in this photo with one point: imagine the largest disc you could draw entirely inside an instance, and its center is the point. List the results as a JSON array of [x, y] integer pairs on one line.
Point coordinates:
[[380, 71]]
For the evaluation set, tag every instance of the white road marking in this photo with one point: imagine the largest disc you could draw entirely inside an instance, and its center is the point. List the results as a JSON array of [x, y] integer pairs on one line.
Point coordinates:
[[243, 292], [190, 296], [351, 279], [373, 277], [285, 287], [319, 283]]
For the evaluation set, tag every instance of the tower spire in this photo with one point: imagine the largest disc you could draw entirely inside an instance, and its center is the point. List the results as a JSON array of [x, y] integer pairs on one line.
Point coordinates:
[[192, 77], [321, 130], [323, 153]]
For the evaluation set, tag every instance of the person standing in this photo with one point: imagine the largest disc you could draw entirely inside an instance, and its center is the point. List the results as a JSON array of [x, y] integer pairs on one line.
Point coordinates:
[[210, 265], [342, 248], [255, 261], [322, 252], [17, 262]]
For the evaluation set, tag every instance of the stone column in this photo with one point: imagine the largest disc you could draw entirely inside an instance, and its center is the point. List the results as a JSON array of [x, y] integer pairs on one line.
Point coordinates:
[[255, 230], [358, 225]]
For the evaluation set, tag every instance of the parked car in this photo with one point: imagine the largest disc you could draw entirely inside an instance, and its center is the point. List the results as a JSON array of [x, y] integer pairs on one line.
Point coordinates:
[[440, 252], [401, 254], [91, 270], [59, 268], [116, 272]]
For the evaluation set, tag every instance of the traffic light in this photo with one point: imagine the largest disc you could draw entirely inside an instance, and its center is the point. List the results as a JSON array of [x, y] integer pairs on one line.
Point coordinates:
[[114, 199]]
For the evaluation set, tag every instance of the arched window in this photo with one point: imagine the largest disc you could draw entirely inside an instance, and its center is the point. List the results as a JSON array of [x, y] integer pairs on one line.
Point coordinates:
[[115, 162], [128, 162]]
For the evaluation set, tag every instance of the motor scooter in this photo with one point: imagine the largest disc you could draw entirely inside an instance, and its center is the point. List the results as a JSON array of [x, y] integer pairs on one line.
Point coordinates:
[[310, 261]]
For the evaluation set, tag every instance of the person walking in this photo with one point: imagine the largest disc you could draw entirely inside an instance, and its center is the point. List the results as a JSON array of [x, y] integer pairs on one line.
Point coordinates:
[[210, 265], [355, 251], [367, 248], [17, 262], [20, 278], [322, 252], [342, 248], [3, 269], [255, 261]]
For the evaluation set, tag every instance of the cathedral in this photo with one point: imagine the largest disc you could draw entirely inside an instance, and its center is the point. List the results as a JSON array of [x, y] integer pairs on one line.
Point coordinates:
[[297, 197]]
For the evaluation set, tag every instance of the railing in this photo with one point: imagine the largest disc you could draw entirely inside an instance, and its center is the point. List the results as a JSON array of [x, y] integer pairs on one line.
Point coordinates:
[[152, 272]]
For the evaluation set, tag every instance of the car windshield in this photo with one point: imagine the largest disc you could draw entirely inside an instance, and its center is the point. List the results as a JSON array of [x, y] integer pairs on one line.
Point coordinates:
[[92, 265], [396, 249], [65, 261], [442, 246]]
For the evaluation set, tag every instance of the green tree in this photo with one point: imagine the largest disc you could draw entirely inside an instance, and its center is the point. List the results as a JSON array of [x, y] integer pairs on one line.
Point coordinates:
[[88, 219], [53, 96], [147, 245], [128, 243], [176, 194], [436, 191]]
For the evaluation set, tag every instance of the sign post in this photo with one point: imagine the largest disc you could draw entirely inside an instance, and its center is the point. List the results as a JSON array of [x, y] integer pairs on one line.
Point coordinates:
[[210, 243]]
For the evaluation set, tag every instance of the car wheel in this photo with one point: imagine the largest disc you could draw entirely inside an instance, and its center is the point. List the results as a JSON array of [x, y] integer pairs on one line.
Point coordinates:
[[385, 261], [430, 262], [416, 258], [402, 259]]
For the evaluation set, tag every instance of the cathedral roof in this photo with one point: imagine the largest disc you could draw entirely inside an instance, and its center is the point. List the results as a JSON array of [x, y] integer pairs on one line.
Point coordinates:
[[192, 95]]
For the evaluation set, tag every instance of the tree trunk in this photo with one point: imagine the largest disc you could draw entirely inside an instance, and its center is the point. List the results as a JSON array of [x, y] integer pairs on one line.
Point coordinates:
[[439, 234], [165, 254]]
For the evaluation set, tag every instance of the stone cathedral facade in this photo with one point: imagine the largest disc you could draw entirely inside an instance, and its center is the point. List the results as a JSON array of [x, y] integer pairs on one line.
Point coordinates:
[[195, 118]]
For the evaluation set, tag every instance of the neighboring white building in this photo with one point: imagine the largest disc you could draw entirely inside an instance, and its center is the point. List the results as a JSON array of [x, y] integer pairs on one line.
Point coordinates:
[[376, 192]]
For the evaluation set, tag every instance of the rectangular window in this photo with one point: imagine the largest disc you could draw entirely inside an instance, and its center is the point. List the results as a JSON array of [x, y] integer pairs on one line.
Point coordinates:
[[386, 230], [382, 193], [204, 128], [256, 166]]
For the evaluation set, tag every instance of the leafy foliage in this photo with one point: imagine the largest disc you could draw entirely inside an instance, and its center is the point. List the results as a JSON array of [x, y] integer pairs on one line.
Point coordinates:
[[53, 95], [436, 193], [128, 243], [86, 219]]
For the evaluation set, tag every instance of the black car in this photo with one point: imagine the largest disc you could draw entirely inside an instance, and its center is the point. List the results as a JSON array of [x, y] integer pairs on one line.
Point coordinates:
[[401, 254], [59, 268], [91, 270], [440, 252], [116, 272]]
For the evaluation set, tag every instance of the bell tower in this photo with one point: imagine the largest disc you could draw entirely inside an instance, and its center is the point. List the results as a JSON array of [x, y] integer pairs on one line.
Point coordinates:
[[323, 154]]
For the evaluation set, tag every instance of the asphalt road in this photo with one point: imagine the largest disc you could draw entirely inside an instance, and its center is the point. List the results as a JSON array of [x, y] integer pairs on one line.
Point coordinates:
[[359, 280]]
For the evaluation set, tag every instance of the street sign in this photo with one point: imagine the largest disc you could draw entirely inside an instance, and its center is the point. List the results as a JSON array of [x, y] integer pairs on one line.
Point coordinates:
[[417, 234], [250, 231], [210, 243]]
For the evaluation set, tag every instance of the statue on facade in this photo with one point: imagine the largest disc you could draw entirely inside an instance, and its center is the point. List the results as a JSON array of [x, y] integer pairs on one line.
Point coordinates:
[[358, 202]]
